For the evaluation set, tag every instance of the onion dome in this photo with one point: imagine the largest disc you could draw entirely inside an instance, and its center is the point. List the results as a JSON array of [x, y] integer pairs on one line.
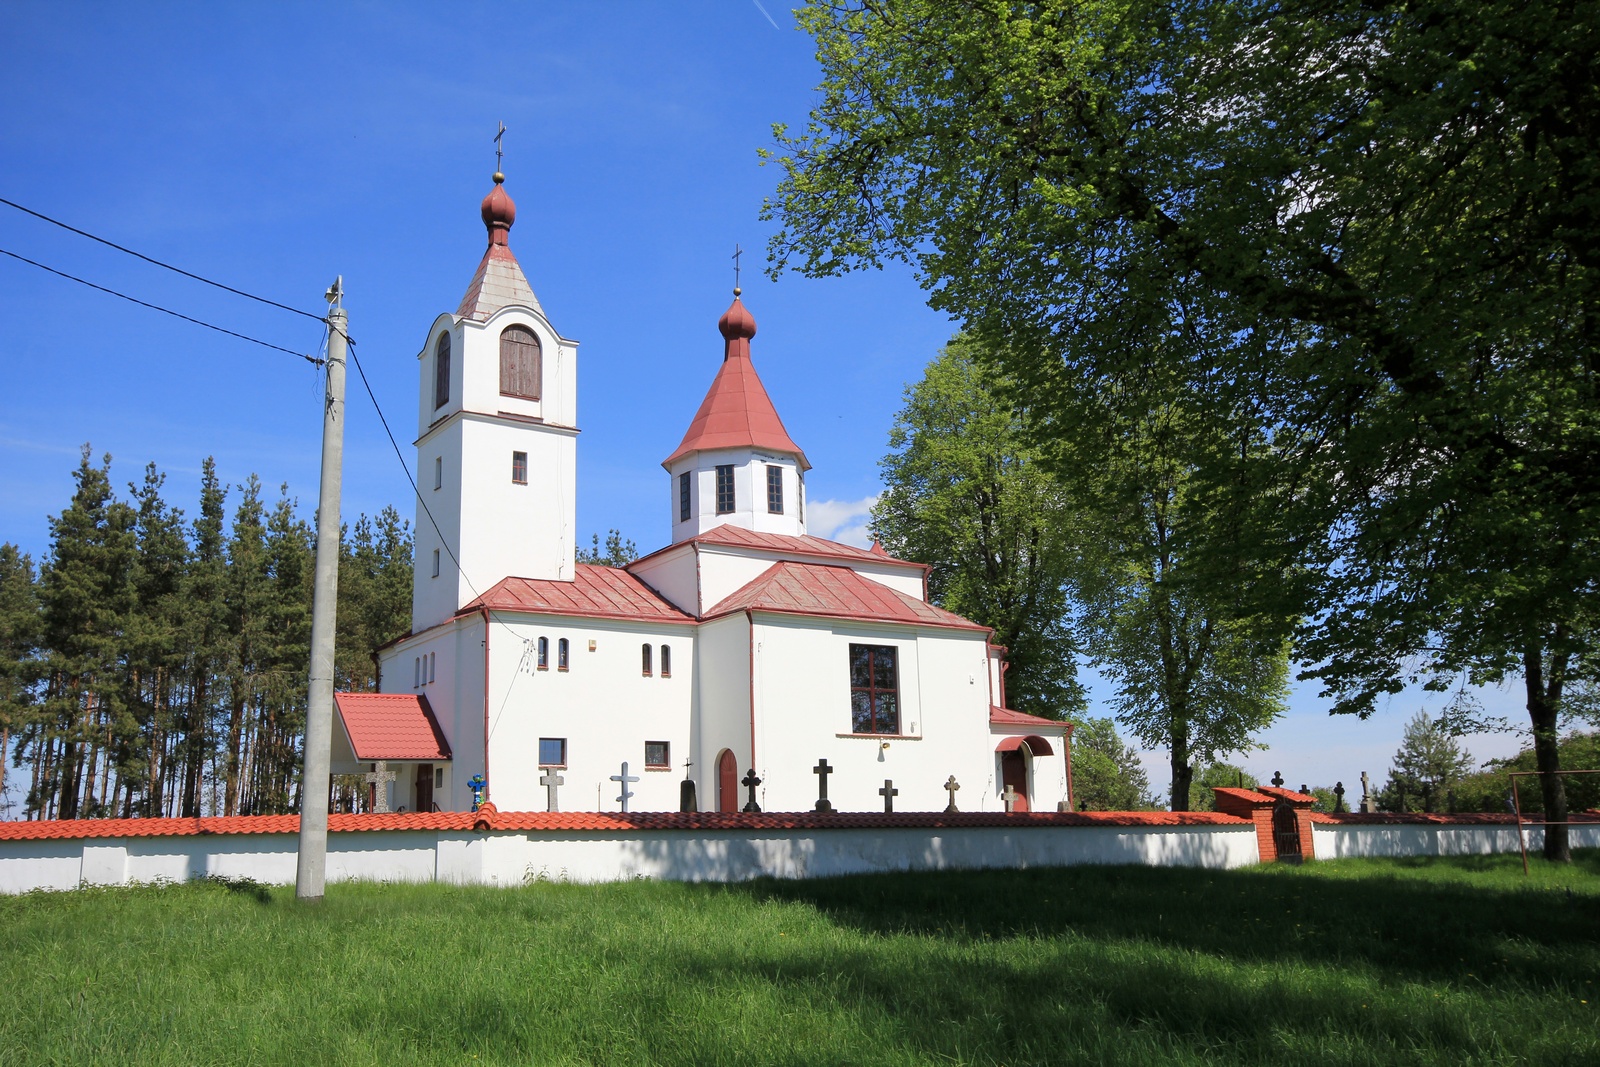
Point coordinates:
[[499, 212]]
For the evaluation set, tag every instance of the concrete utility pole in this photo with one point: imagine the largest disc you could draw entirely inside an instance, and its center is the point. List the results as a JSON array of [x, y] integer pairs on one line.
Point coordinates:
[[311, 872]]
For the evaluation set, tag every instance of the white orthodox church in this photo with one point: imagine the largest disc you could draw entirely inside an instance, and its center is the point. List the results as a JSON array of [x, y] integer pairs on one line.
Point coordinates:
[[745, 645]]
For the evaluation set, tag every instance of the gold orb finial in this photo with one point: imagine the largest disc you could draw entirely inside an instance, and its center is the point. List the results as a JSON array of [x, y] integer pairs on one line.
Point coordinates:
[[737, 290], [499, 179]]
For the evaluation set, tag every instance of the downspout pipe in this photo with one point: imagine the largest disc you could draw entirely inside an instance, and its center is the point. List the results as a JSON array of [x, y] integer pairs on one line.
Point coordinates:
[[489, 782]]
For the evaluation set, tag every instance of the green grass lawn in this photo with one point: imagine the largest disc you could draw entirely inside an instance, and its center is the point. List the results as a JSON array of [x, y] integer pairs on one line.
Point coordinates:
[[1422, 961]]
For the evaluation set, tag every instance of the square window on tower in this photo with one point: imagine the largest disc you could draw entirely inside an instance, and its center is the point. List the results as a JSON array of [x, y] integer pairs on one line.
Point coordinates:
[[725, 489], [774, 489], [519, 468]]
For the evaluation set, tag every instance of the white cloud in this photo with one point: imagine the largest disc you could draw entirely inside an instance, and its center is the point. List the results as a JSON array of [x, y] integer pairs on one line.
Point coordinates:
[[841, 520]]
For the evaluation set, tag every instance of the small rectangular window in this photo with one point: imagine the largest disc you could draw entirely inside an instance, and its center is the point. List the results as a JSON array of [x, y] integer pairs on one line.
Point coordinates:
[[519, 468], [436, 563], [683, 497], [656, 754], [666, 661], [725, 489], [544, 653], [438, 472], [774, 489], [874, 690], [561, 654], [552, 751], [438, 777], [645, 660]]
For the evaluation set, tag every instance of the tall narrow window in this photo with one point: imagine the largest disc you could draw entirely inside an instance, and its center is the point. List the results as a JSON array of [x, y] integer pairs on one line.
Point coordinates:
[[683, 497], [438, 472], [666, 661], [561, 654], [519, 468], [874, 690], [544, 653], [436, 563], [644, 661], [433, 667], [774, 489], [725, 489], [521, 361], [441, 371], [416, 673]]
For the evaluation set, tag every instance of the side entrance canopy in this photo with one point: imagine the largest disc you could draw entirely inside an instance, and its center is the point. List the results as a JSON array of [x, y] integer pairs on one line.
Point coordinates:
[[386, 727]]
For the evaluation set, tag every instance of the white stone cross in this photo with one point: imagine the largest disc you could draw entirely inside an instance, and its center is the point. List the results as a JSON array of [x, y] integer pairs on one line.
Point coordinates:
[[623, 779], [950, 786], [1011, 799], [379, 778], [550, 779]]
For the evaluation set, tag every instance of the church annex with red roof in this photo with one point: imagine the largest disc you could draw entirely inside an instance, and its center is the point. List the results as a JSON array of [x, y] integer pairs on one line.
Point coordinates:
[[745, 665]]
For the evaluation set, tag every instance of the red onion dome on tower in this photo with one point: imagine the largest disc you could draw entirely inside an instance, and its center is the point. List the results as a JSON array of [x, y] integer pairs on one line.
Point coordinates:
[[737, 324], [499, 212]]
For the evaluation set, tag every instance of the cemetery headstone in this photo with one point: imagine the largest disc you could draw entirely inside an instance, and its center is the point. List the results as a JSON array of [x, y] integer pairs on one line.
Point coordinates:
[[550, 780], [379, 778], [750, 781], [624, 780], [888, 793], [950, 787], [1010, 798], [822, 770]]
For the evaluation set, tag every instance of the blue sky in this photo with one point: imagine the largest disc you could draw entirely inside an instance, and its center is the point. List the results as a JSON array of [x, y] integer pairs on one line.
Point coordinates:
[[273, 147]]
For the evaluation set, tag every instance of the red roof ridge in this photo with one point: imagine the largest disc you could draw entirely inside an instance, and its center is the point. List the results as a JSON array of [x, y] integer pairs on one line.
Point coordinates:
[[833, 590], [595, 590], [727, 535], [1000, 715]]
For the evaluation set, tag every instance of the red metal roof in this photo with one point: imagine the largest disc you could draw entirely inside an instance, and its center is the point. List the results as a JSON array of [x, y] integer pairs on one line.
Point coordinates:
[[1037, 745], [789, 545], [595, 590], [612, 822], [385, 726], [835, 592], [736, 413], [999, 716], [499, 281]]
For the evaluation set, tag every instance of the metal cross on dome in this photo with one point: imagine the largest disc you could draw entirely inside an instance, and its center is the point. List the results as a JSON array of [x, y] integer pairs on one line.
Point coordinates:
[[737, 252], [379, 778], [499, 146], [623, 780], [550, 780]]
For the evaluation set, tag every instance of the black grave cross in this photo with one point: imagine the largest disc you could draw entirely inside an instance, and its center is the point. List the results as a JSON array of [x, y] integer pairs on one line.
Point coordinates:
[[750, 781], [822, 770], [1338, 796], [1277, 779], [950, 786], [888, 793]]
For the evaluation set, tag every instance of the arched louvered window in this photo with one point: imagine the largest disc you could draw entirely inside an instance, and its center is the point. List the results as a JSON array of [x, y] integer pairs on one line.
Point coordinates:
[[521, 361], [441, 371]]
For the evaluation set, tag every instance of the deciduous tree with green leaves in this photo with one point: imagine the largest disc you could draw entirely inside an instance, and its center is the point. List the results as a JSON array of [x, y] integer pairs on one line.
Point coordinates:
[[965, 493], [1376, 226]]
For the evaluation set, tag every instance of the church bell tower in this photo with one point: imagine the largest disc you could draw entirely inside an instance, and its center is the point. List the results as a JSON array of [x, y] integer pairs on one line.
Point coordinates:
[[496, 437]]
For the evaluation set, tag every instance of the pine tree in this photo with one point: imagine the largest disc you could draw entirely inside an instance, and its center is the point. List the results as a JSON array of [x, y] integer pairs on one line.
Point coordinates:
[[151, 643], [1106, 772], [203, 637], [19, 646], [1426, 768]]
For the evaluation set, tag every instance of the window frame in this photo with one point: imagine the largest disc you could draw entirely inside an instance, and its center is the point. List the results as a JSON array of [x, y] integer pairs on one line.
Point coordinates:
[[524, 375], [441, 371], [666, 756], [519, 468], [685, 486], [436, 563], [438, 472], [563, 654], [725, 490], [646, 664], [544, 654], [774, 489], [666, 661], [562, 741], [874, 691]]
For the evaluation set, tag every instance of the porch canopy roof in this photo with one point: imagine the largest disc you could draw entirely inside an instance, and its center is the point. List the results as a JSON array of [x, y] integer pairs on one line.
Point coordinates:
[[391, 726]]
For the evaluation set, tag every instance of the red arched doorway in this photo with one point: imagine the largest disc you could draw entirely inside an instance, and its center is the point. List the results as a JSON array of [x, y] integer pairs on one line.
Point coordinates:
[[1014, 773], [727, 782]]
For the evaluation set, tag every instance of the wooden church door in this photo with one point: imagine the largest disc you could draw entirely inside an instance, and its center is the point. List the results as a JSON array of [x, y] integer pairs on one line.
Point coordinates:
[[1014, 772], [727, 782], [424, 787]]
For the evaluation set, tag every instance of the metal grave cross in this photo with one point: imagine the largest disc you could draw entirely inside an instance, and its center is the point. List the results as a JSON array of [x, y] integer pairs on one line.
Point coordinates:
[[950, 786], [1011, 799], [379, 778], [1277, 779], [623, 780], [822, 770], [750, 781], [1338, 796], [550, 780], [888, 793]]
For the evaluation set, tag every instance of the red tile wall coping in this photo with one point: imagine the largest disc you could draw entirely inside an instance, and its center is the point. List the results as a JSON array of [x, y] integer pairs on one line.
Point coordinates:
[[607, 822], [1419, 818]]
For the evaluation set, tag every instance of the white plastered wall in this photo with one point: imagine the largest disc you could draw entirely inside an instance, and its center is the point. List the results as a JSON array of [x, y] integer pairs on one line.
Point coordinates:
[[602, 705], [722, 671], [749, 492], [803, 708], [455, 694]]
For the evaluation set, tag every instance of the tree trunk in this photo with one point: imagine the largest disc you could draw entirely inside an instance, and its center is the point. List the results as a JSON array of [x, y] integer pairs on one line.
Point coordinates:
[[1544, 707], [1182, 772]]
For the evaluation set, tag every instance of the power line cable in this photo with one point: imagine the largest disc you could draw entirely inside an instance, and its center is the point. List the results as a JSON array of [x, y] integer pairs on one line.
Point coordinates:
[[157, 262], [314, 361]]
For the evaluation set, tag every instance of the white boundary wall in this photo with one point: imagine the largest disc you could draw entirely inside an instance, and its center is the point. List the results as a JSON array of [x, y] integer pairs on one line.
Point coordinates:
[[1349, 841], [514, 857]]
